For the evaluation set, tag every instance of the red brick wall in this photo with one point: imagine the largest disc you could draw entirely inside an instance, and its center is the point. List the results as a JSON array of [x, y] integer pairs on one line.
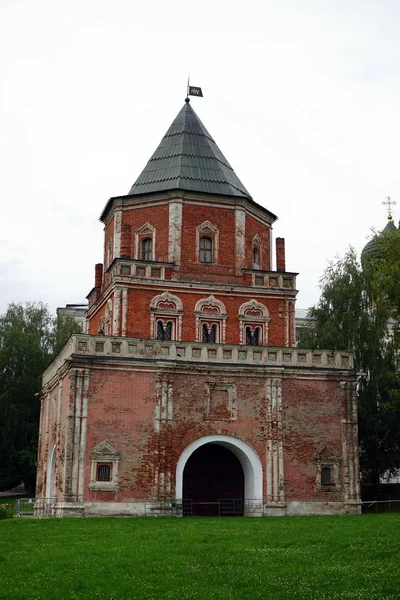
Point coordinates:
[[122, 410], [253, 228], [158, 217], [139, 300], [313, 410]]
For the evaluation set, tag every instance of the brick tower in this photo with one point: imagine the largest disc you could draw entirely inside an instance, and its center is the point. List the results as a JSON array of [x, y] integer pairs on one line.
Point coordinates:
[[187, 395]]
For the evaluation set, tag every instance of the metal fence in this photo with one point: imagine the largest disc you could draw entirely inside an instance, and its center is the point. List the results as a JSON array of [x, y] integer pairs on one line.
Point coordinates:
[[24, 507], [171, 507], [224, 507]]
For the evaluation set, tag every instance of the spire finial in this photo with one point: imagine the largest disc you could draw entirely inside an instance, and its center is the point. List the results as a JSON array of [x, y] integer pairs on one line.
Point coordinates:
[[389, 203]]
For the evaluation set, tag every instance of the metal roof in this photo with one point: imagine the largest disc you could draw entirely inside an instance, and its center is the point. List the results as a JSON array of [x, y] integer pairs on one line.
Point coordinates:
[[188, 159], [372, 248]]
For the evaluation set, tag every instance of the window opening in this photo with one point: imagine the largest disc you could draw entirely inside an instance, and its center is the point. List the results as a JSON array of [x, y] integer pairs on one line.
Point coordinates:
[[256, 258], [164, 330], [103, 472], [147, 249], [206, 246], [252, 336], [326, 476], [209, 334]]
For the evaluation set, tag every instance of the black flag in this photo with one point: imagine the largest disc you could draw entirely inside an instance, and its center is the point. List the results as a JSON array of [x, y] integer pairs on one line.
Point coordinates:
[[195, 91]]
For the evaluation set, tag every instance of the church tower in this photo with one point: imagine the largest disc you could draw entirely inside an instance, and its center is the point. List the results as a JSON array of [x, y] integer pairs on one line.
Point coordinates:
[[188, 396]]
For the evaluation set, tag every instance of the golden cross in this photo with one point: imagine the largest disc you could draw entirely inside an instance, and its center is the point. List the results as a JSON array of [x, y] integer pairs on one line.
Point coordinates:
[[389, 203]]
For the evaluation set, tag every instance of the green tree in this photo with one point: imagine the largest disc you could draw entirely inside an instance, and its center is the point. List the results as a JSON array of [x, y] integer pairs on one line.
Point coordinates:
[[355, 312], [29, 338]]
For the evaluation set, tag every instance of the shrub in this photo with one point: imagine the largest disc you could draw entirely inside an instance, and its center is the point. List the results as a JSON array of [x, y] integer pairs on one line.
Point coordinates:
[[6, 511]]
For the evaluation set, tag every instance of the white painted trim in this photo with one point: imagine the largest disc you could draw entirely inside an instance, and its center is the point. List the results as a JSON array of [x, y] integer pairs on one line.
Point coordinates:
[[146, 230], [117, 233], [175, 232], [50, 476], [240, 238], [249, 459]]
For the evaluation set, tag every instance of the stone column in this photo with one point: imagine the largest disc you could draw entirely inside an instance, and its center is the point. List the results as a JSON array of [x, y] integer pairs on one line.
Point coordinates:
[[240, 235], [117, 233], [83, 428], [286, 323], [76, 432], [124, 311], [275, 458], [164, 415], [175, 231], [351, 474], [116, 312]]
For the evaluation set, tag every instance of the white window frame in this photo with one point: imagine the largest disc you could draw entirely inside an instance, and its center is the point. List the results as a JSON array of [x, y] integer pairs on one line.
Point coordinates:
[[104, 453]]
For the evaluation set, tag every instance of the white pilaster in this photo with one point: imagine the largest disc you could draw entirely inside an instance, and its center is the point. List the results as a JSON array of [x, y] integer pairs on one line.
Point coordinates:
[[175, 231], [124, 311], [117, 233], [117, 310], [240, 236]]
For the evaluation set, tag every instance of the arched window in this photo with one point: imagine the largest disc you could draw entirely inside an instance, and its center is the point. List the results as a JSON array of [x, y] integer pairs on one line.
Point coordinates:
[[206, 250], [147, 249], [211, 318], [164, 330], [253, 319], [166, 311], [209, 333]]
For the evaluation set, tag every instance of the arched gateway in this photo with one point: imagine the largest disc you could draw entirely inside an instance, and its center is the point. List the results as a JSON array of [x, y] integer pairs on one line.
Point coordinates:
[[217, 473]]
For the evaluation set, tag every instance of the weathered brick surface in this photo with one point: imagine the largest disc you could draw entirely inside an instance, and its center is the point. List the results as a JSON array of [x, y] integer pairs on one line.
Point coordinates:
[[122, 409], [151, 410]]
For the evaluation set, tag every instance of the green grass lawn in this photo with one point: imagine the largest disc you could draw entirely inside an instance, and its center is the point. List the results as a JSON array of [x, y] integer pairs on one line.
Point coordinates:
[[243, 559]]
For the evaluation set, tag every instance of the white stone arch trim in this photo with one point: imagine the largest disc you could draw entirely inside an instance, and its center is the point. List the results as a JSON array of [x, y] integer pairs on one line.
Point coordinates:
[[203, 315], [207, 229], [175, 312], [166, 297], [51, 472], [146, 230], [255, 313], [247, 456]]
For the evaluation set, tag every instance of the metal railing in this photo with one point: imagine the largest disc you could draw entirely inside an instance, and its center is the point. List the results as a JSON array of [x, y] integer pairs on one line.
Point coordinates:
[[168, 507], [24, 507]]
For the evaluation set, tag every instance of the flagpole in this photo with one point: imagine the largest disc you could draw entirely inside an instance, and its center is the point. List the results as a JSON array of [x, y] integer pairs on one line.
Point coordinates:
[[188, 85]]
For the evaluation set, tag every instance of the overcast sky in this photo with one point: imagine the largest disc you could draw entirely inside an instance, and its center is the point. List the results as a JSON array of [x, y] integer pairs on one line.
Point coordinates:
[[302, 97]]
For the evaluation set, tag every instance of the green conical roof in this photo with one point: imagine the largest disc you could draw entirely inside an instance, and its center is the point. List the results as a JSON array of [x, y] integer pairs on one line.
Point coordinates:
[[188, 159]]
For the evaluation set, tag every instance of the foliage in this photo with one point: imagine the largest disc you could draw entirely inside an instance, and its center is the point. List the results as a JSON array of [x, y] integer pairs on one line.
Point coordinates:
[[6, 511], [355, 312], [201, 559], [29, 339]]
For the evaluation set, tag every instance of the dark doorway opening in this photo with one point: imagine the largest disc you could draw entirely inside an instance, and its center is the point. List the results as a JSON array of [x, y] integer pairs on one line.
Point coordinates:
[[213, 480]]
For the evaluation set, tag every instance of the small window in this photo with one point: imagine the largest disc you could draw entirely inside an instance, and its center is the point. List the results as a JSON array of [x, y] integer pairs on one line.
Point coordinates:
[[206, 250], [103, 472], [209, 334], [326, 476], [256, 258], [252, 336], [164, 330], [147, 249]]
